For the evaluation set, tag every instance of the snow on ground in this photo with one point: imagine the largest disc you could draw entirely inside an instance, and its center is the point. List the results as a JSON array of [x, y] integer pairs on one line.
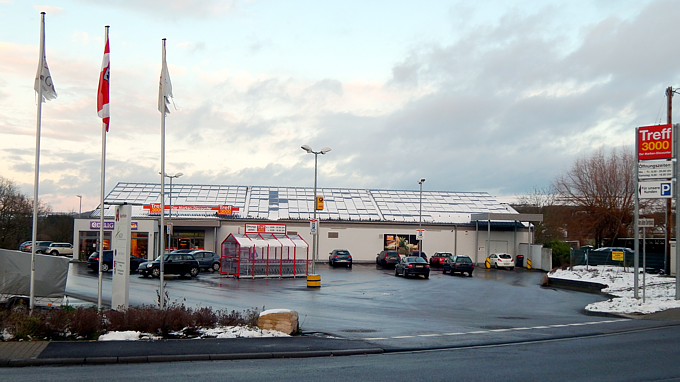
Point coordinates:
[[659, 291], [218, 332]]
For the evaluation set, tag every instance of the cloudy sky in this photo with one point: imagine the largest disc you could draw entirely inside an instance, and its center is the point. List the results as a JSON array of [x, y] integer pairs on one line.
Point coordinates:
[[496, 96]]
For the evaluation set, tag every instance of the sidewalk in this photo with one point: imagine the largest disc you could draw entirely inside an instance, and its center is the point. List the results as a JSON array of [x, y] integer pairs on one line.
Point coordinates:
[[36, 353]]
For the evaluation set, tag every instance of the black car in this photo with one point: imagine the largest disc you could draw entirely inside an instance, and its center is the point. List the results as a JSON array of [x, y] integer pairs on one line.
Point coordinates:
[[419, 253], [206, 259], [340, 257], [107, 262], [387, 258], [459, 263], [412, 265], [173, 264]]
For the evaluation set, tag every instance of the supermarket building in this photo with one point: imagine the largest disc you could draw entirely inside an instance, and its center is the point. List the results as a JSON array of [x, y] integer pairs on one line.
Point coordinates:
[[363, 221]]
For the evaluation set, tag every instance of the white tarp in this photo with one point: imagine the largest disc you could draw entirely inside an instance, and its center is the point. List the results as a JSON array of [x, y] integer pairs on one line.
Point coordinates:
[[15, 274]]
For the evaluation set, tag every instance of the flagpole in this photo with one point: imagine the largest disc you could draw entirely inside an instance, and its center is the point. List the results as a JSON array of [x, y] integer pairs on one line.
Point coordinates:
[[162, 230], [36, 170], [101, 201]]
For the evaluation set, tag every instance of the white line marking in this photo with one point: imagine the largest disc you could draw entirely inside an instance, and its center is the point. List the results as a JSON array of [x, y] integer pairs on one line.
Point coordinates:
[[478, 331], [429, 335], [452, 334], [375, 338], [500, 330], [403, 337]]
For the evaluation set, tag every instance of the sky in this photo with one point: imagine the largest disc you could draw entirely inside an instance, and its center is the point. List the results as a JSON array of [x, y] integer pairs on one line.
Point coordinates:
[[493, 96]]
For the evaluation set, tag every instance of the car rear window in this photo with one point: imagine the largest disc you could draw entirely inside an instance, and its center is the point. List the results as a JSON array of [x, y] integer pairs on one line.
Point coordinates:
[[463, 260], [505, 256], [342, 253]]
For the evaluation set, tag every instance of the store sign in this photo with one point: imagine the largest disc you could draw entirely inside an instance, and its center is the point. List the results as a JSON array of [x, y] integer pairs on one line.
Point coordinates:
[[222, 209], [655, 189], [655, 142], [266, 228], [110, 225], [655, 170]]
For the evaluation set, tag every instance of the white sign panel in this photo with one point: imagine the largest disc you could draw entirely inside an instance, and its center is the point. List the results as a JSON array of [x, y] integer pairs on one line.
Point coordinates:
[[655, 189], [419, 234], [313, 226], [645, 223], [655, 169], [120, 244]]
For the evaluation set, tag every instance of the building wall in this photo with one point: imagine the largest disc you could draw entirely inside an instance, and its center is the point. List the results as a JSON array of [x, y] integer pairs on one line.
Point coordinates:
[[363, 240]]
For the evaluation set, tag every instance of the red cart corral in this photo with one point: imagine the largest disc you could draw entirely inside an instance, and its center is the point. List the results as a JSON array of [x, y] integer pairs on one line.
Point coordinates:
[[264, 255]]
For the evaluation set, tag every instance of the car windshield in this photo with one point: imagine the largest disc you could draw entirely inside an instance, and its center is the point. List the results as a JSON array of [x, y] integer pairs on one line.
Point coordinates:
[[414, 259], [505, 256]]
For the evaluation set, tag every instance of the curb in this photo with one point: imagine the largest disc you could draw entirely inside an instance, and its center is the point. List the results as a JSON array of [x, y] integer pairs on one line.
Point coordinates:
[[581, 286], [184, 358]]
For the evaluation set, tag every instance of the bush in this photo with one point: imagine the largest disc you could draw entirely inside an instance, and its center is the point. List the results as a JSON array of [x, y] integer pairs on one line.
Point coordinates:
[[560, 252], [67, 323]]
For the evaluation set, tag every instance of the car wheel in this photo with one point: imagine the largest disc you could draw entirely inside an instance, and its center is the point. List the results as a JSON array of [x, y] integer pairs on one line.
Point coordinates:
[[453, 273], [396, 272], [105, 267], [427, 276], [156, 272], [193, 272], [38, 251], [349, 265], [54, 253], [512, 268], [216, 267], [404, 273], [495, 265], [470, 273]]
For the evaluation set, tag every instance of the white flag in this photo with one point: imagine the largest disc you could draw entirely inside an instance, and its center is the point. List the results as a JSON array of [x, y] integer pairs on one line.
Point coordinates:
[[164, 88], [44, 79]]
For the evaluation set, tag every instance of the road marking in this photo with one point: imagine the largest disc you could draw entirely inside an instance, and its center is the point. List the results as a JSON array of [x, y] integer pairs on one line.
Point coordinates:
[[502, 330]]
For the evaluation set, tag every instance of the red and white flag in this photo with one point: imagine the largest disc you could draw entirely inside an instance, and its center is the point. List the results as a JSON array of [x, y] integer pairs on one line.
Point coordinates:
[[103, 92]]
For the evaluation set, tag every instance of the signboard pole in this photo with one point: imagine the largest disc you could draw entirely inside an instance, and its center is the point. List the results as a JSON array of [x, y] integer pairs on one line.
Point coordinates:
[[677, 203], [636, 245], [121, 244]]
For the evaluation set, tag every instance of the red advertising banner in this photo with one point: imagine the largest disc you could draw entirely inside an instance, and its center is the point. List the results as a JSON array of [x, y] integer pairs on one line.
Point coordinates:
[[655, 142], [222, 209]]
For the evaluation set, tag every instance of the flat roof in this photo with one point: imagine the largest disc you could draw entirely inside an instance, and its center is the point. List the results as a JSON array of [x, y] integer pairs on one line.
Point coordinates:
[[297, 203]]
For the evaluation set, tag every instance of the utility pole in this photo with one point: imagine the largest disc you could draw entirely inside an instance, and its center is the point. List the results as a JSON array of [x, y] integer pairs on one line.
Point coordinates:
[[669, 217]]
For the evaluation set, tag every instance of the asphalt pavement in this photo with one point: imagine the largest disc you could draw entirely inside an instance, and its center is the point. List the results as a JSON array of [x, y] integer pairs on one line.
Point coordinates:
[[338, 342]]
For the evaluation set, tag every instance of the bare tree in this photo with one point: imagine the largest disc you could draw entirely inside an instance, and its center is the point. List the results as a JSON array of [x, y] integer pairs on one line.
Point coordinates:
[[16, 214], [541, 201], [601, 188]]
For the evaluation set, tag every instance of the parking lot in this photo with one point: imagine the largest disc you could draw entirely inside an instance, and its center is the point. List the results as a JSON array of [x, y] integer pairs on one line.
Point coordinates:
[[369, 302]]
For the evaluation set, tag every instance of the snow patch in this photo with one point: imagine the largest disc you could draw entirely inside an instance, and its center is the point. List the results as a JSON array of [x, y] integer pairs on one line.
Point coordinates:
[[274, 311], [659, 291]]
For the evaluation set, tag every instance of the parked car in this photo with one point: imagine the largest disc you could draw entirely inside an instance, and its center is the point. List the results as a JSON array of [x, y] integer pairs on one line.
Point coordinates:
[[41, 246], [459, 263], [25, 246], [438, 259], [107, 262], [412, 265], [504, 260], [206, 259], [340, 257], [387, 258], [173, 264], [183, 250], [420, 254], [60, 249]]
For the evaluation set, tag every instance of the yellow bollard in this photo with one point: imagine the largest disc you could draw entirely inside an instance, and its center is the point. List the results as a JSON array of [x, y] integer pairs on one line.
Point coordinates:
[[528, 263], [313, 281], [488, 263]]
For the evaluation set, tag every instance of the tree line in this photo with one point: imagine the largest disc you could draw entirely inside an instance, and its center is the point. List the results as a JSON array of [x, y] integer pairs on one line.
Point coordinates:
[[16, 219]]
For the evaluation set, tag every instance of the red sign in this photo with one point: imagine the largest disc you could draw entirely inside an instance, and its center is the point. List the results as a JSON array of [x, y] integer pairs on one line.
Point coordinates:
[[655, 142], [222, 209]]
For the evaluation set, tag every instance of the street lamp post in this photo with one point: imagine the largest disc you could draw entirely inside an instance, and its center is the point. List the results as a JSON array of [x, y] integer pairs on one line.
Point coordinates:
[[315, 240], [420, 216], [170, 213], [80, 205]]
